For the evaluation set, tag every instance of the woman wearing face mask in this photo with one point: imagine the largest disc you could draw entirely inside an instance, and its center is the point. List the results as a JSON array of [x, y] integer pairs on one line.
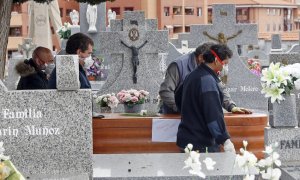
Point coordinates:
[[32, 71]]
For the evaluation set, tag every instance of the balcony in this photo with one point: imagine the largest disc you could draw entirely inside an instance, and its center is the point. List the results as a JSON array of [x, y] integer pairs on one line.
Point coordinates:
[[16, 19], [13, 42]]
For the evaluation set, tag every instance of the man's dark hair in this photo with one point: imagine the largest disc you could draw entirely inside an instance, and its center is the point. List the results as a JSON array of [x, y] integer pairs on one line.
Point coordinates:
[[221, 50], [78, 41], [203, 48]]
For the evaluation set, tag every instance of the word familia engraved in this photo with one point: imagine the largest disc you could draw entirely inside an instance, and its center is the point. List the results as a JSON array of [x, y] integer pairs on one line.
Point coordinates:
[[26, 113]]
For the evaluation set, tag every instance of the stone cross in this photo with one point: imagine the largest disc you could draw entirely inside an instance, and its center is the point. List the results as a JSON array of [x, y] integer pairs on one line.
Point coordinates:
[[27, 47], [49, 131], [244, 87], [134, 31]]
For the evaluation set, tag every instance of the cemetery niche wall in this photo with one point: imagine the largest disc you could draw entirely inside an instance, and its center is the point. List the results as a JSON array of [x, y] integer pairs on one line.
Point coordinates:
[[49, 131]]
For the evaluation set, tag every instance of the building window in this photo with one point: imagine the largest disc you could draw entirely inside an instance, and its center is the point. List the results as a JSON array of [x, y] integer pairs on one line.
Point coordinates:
[[17, 8], [68, 12], [128, 9], [274, 27], [177, 29], [268, 27], [116, 9], [61, 11], [189, 11], [199, 11], [177, 10], [274, 12], [268, 11], [52, 30], [279, 27], [279, 12], [15, 31], [187, 28], [167, 11]]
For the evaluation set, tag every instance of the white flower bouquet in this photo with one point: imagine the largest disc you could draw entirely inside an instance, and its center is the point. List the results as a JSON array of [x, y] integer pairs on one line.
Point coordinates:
[[65, 31], [279, 80], [107, 100], [132, 96]]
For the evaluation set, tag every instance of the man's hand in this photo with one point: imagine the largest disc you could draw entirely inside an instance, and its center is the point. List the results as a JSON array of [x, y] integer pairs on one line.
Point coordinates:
[[239, 110], [228, 146]]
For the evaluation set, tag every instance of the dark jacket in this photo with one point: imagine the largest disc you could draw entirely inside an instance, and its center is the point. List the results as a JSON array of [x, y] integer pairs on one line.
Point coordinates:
[[84, 82], [202, 121], [31, 76]]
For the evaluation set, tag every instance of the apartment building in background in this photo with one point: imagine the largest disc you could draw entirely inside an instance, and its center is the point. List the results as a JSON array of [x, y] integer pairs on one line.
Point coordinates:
[[271, 16], [176, 16], [20, 20]]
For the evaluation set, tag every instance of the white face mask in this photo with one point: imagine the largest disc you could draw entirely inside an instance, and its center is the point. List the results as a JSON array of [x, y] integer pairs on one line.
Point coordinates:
[[88, 62], [224, 71]]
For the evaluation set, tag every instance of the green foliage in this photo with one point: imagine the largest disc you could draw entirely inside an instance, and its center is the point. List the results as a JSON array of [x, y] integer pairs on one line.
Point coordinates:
[[80, 1]]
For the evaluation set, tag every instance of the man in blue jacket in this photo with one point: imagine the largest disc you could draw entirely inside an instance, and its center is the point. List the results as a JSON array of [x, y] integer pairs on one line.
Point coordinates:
[[175, 75], [82, 45], [202, 119]]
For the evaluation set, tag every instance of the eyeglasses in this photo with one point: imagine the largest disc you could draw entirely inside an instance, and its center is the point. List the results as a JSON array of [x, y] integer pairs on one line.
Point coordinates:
[[218, 58]]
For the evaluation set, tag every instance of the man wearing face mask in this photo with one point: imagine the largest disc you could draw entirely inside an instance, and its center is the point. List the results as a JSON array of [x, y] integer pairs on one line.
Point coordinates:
[[175, 75], [202, 121], [82, 45], [32, 71]]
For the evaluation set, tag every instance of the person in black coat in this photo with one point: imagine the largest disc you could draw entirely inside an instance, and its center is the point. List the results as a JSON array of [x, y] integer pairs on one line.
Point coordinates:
[[202, 119], [32, 71]]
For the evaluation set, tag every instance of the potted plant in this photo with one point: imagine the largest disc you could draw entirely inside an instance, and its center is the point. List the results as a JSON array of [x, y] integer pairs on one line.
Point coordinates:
[[132, 99], [107, 102], [64, 32]]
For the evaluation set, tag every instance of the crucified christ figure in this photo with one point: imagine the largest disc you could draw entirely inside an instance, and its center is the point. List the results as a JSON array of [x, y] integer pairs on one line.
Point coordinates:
[[221, 37], [135, 58]]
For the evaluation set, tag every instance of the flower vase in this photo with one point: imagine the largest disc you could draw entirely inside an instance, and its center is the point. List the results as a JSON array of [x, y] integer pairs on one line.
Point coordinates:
[[132, 108], [63, 44], [283, 114], [105, 109]]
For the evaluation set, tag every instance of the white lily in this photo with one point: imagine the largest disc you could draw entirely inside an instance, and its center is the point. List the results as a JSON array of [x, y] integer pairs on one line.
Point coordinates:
[[209, 163]]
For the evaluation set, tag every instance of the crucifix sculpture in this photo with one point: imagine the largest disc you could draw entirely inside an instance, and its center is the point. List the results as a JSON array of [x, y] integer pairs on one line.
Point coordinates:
[[134, 58], [222, 39]]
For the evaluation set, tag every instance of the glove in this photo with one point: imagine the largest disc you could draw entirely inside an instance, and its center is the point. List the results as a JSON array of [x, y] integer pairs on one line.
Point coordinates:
[[228, 146], [239, 110]]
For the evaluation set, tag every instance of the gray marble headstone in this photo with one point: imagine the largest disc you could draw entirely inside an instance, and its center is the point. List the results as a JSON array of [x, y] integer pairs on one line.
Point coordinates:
[[244, 86], [12, 79], [48, 131], [285, 58], [67, 70], [173, 54], [290, 171], [121, 72], [294, 49], [276, 43], [289, 142], [101, 19], [164, 166]]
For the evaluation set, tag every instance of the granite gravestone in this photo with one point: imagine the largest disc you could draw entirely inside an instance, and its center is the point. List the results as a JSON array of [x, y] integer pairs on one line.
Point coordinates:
[[142, 42], [173, 54], [49, 131], [12, 79], [164, 166], [276, 43], [244, 86], [295, 48]]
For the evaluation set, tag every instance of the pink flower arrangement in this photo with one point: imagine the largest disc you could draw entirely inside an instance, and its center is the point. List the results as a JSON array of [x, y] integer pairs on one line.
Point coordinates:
[[107, 100], [132, 96], [254, 66]]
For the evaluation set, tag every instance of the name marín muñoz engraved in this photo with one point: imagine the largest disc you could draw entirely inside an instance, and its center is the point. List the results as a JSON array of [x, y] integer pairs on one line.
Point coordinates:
[[32, 130]]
